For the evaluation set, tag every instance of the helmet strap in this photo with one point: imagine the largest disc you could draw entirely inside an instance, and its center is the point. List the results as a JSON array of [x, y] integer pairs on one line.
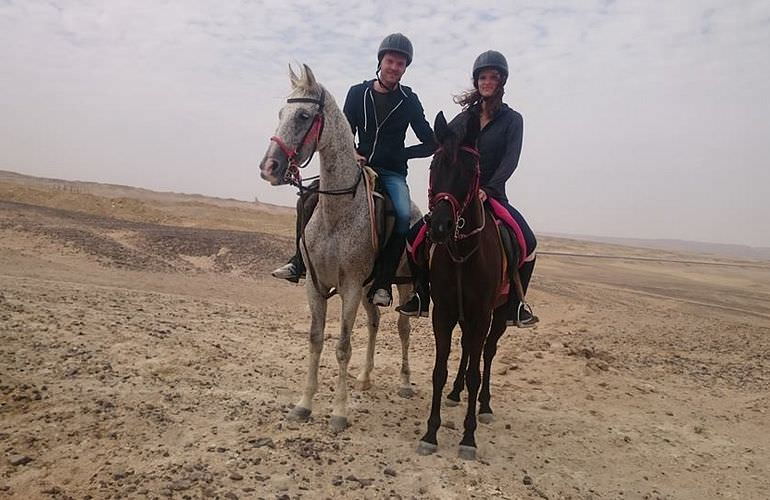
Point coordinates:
[[389, 89]]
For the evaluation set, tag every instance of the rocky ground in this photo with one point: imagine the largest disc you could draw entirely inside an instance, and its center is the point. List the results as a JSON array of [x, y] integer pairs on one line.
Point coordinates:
[[140, 360]]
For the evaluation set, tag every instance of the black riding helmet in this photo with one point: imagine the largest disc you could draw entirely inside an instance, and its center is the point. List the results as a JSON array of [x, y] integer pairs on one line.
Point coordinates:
[[490, 59], [396, 42]]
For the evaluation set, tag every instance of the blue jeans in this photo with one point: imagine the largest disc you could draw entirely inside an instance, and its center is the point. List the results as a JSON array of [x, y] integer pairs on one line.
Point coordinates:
[[395, 185]]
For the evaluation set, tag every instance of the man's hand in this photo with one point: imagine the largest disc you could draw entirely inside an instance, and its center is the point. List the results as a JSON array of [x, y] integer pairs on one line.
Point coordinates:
[[482, 195], [361, 160]]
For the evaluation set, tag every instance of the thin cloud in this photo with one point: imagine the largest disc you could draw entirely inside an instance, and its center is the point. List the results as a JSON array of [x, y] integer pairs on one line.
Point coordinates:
[[641, 119]]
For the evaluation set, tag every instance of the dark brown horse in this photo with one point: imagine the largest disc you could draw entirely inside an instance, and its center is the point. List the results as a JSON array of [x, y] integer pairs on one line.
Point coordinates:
[[467, 272]]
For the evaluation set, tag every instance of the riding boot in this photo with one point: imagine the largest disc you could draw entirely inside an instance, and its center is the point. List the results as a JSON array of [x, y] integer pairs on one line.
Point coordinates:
[[419, 303], [525, 272], [390, 258], [295, 269], [520, 314]]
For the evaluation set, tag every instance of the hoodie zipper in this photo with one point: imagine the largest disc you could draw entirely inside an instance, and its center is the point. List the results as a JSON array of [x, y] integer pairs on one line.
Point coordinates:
[[377, 131]]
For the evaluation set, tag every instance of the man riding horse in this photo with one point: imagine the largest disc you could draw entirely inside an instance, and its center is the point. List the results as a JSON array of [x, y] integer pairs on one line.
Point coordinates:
[[379, 112]]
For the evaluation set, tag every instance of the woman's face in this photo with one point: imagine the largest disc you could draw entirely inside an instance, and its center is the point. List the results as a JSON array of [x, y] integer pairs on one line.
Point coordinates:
[[489, 81]]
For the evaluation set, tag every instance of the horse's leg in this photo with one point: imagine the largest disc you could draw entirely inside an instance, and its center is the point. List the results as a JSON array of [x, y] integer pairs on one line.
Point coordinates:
[[442, 332], [351, 297], [317, 303], [404, 329], [474, 334], [372, 324], [453, 398], [490, 349]]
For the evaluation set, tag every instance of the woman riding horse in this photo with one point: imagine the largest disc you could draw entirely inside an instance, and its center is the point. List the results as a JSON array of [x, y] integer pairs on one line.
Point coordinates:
[[499, 146]]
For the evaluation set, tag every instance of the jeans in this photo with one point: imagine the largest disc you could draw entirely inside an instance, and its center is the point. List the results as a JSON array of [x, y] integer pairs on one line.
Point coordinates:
[[395, 185]]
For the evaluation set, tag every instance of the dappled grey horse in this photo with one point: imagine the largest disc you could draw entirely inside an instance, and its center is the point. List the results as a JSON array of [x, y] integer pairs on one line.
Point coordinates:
[[337, 243]]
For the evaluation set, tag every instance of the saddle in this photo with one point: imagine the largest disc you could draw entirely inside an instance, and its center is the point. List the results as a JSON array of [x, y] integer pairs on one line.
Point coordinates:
[[382, 221], [511, 243], [381, 213]]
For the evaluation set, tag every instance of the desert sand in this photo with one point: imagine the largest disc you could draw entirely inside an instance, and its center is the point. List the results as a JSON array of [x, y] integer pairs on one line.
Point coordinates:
[[145, 352]]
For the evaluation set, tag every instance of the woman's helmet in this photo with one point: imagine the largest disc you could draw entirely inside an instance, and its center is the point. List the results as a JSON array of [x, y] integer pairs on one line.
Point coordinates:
[[490, 59]]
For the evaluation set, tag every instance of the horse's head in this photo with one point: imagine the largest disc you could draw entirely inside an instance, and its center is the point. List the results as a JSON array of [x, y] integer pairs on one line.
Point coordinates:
[[454, 174], [300, 123]]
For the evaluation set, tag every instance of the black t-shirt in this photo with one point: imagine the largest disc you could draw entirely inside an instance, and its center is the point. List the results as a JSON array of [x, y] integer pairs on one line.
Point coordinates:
[[383, 105]]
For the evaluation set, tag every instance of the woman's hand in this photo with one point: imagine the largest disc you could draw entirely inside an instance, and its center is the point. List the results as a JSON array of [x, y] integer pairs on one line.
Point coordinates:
[[361, 160], [482, 195]]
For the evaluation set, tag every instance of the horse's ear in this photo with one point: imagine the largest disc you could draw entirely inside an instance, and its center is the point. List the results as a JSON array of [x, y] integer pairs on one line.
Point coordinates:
[[472, 128], [440, 128], [293, 77], [309, 76]]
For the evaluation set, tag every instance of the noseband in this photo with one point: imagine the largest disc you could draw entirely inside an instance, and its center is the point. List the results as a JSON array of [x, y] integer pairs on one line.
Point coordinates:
[[313, 134]]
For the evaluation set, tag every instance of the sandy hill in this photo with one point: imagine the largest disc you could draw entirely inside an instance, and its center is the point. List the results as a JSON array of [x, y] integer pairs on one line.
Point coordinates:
[[146, 353]]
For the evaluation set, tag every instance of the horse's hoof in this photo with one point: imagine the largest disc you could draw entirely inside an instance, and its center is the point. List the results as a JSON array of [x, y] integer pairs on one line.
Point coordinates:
[[364, 385], [338, 423], [451, 402], [486, 418], [299, 414], [425, 448], [406, 392], [467, 452]]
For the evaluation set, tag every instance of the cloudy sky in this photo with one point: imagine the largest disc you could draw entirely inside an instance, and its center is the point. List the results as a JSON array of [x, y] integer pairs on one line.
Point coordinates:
[[642, 119]]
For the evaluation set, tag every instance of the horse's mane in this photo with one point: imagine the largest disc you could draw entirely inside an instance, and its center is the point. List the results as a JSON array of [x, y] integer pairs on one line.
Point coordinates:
[[459, 127]]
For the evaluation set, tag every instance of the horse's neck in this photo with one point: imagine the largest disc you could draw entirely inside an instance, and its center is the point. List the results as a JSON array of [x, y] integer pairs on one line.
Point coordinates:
[[339, 170], [474, 214]]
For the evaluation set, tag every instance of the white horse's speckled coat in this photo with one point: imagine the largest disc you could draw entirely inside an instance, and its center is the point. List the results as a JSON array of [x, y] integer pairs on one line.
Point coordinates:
[[338, 240]]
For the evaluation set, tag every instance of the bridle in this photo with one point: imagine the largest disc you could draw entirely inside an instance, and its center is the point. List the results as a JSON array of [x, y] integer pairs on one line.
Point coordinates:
[[313, 134], [458, 209]]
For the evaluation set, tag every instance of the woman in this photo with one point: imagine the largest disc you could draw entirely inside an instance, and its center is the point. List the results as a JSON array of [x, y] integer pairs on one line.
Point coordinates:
[[499, 146]]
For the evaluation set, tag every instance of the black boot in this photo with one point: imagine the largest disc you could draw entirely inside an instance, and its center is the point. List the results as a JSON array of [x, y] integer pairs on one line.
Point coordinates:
[[381, 294], [419, 303], [293, 271], [520, 313]]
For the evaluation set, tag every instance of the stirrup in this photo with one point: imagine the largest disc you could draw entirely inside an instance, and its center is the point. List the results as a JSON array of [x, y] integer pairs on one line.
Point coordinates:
[[523, 306], [412, 314]]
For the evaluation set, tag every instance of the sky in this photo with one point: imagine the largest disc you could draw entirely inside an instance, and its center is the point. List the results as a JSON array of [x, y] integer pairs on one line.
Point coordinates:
[[641, 119]]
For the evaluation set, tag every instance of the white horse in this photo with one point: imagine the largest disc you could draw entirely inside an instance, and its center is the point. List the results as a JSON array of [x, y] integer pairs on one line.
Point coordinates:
[[337, 244]]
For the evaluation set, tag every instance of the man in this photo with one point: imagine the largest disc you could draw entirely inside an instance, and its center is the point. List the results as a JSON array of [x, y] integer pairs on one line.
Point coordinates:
[[379, 112]]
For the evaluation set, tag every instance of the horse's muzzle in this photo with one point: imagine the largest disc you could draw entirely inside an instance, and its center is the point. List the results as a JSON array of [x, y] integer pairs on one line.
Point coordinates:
[[271, 170], [440, 231]]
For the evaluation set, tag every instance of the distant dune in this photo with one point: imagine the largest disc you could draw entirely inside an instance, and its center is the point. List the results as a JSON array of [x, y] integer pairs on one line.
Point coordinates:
[[143, 205], [200, 211], [721, 249]]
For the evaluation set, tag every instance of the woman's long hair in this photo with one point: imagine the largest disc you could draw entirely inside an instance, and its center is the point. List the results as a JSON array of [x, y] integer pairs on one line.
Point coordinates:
[[472, 98]]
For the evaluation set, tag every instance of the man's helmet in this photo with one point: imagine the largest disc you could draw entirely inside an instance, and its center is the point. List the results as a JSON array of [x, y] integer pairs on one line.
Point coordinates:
[[396, 42]]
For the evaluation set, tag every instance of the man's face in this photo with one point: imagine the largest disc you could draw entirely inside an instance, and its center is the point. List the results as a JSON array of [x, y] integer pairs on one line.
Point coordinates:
[[392, 68]]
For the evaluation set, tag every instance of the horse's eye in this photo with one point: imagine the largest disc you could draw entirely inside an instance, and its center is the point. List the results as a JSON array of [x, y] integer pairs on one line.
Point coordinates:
[[304, 115]]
